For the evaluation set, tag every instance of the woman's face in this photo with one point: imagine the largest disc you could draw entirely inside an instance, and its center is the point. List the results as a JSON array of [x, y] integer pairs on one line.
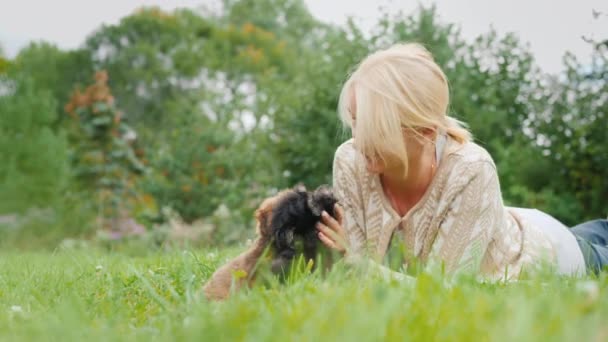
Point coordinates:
[[415, 141]]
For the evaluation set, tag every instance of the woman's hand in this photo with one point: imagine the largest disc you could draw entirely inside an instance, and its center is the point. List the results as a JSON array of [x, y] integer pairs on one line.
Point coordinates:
[[331, 232]]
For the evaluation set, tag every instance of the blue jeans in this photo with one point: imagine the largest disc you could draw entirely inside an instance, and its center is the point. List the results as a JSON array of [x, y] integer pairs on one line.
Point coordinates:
[[592, 237]]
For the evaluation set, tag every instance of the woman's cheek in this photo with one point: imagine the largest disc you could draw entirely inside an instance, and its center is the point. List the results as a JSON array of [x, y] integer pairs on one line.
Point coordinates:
[[374, 166]]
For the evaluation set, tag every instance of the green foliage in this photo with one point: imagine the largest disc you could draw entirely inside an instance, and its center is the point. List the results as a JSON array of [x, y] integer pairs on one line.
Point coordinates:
[[54, 70], [569, 123], [34, 169], [301, 102], [198, 171], [153, 56], [288, 19], [306, 130], [85, 294], [4, 62], [104, 159]]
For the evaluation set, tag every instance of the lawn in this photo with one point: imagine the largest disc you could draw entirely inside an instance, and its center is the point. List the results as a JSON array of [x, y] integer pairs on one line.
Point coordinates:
[[95, 295]]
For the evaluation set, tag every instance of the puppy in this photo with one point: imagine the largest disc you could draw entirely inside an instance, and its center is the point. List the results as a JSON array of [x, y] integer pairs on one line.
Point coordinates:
[[221, 282], [281, 220], [294, 218]]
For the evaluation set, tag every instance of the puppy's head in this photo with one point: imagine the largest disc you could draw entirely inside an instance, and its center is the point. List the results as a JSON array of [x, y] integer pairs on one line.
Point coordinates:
[[263, 214], [322, 199]]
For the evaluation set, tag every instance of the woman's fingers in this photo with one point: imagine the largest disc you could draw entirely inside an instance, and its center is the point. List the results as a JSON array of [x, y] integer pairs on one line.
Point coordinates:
[[331, 232], [328, 232], [333, 237], [328, 242], [331, 222], [339, 214]]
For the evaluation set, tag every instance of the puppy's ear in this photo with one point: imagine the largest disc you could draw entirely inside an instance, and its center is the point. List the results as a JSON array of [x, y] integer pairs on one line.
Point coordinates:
[[263, 214], [322, 199], [313, 205], [323, 190], [300, 187]]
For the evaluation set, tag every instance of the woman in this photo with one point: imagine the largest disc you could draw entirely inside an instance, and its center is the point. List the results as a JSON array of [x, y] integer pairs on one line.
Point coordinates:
[[412, 173]]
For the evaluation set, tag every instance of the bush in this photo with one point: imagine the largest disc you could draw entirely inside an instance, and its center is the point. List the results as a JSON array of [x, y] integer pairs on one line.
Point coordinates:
[[197, 169], [34, 171], [104, 158]]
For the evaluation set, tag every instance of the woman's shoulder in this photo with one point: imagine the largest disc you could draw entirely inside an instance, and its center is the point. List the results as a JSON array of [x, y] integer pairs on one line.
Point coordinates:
[[346, 150], [466, 162], [468, 155], [345, 159]]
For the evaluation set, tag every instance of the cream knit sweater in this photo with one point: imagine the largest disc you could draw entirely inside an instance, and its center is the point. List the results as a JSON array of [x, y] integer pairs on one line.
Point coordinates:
[[460, 221]]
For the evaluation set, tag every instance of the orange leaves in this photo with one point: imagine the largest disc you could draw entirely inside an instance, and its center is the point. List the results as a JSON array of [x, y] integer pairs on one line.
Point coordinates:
[[280, 47], [201, 177], [211, 148], [154, 12], [258, 40], [198, 173], [249, 28], [147, 199], [101, 77], [117, 117], [254, 46], [77, 100], [98, 92], [253, 54]]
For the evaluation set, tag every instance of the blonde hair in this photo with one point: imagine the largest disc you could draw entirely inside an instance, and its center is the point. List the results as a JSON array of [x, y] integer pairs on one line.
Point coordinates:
[[400, 87]]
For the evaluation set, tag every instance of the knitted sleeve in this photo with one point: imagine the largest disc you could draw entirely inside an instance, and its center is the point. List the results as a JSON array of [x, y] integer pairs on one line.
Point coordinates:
[[475, 212], [347, 189]]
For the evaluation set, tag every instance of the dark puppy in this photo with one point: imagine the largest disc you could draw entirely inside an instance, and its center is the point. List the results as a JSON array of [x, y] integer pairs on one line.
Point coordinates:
[[294, 218], [281, 220]]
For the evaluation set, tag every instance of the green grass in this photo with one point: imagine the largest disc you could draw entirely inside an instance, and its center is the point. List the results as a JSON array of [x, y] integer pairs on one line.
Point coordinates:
[[91, 295]]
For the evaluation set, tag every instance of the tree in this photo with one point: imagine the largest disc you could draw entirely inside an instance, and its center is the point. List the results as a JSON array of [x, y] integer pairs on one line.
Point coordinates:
[[289, 20], [104, 159], [568, 122], [54, 70], [306, 128], [34, 170], [3, 61], [155, 57]]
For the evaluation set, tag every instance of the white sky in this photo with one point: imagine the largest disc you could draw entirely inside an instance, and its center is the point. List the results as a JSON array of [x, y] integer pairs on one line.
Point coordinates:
[[550, 26]]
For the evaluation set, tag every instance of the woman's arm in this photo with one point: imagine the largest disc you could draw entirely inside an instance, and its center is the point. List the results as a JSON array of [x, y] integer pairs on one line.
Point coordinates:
[[333, 236], [346, 233], [472, 218], [346, 186]]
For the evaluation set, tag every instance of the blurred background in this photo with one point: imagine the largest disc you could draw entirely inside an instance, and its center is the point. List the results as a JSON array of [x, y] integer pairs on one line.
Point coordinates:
[[168, 121]]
